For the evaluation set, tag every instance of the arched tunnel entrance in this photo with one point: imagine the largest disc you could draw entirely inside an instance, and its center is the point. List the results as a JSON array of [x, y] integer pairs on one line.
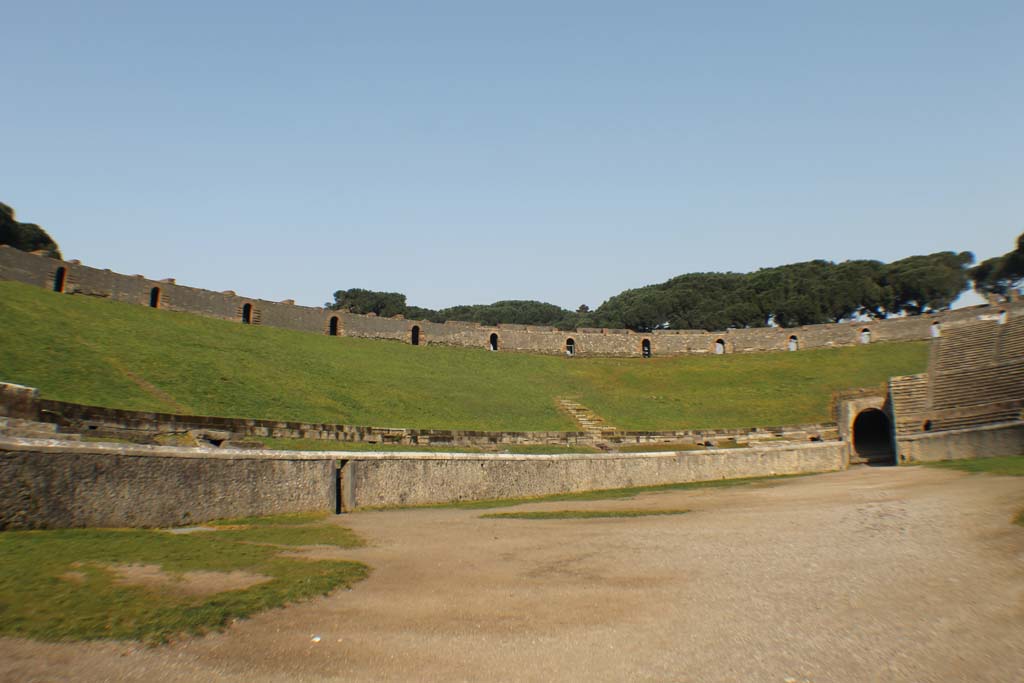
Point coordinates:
[[872, 438]]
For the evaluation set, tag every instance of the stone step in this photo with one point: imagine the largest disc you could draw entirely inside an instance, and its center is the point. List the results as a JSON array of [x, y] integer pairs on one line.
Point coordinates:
[[27, 429], [8, 423]]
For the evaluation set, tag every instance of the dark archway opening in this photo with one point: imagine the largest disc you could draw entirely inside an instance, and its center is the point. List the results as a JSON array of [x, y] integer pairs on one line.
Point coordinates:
[[154, 297], [58, 279], [415, 335], [247, 314], [645, 348], [492, 343], [570, 347], [872, 438], [332, 328]]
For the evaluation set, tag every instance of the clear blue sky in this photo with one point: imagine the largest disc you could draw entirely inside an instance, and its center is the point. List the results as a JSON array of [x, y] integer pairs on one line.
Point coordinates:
[[466, 152]]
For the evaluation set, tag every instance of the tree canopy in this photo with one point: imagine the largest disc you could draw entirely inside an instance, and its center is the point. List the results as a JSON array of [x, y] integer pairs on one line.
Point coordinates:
[[791, 295], [788, 296], [1000, 274], [25, 236], [385, 304]]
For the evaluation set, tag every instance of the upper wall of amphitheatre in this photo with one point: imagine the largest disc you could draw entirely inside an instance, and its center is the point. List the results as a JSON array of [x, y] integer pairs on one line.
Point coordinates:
[[74, 278]]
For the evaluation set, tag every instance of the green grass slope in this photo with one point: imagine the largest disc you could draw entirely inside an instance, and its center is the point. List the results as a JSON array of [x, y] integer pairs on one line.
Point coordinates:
[[100, 352]]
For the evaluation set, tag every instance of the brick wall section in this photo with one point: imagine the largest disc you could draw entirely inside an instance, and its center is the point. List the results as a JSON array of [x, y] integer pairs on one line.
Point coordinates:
[[79, 279], [69, 485]]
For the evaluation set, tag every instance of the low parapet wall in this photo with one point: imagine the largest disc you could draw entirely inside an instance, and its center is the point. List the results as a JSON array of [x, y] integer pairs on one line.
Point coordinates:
[[54, 484], [74, 278], [398, 479], [959, 444]]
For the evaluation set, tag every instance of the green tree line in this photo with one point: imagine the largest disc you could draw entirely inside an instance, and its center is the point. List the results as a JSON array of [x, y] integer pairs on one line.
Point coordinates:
[[790, 295]]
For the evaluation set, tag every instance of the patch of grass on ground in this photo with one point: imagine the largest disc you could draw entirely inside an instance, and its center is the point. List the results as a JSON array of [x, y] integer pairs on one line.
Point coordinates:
[[1009, 465], [601, 494], [107, 353], [65, 585], [581, 514]]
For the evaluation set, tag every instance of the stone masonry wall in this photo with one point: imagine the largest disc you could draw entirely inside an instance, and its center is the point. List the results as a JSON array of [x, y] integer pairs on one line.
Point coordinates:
[[975, 442], [49, 485], [390, 480], [42, 271]]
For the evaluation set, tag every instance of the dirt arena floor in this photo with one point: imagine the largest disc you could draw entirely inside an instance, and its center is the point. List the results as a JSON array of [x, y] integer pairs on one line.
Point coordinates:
[[889, 574]]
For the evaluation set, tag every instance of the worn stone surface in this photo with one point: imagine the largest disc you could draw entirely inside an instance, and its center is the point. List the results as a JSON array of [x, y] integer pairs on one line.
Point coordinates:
[[18, 402]]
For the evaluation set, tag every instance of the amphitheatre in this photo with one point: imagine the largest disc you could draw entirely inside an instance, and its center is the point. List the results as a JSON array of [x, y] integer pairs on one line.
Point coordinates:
[[664, 522]]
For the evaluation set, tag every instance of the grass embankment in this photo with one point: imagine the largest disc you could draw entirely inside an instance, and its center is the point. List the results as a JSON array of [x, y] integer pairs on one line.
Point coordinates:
[[582, 514], [600, 494], [83, 584], [100, 352]]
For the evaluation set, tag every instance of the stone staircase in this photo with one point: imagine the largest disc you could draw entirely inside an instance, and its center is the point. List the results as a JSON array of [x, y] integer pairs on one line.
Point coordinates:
[[975, 377], [591, 424], [27, 429]]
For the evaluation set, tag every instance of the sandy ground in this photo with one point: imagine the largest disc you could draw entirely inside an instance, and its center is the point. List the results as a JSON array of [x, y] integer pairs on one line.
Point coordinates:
[[886, 574]]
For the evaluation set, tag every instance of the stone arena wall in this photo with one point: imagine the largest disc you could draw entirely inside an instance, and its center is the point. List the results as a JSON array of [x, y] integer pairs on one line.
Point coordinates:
[[384, 481], [74, 278], [960, 444], [63, 485], [48, 484]]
